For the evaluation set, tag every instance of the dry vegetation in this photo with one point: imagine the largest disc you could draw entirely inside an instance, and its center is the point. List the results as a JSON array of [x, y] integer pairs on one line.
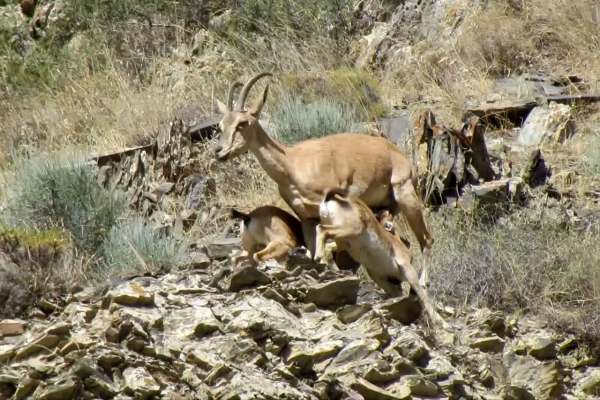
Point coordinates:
[[112, 93], [561, 38], [531, 260]]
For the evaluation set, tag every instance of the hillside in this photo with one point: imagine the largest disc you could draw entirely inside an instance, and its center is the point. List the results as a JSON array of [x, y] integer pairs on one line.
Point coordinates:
[[116, 240]]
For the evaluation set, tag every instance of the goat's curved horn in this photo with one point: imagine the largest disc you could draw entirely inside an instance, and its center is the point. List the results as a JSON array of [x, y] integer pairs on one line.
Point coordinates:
[[232, 90], [247, 87]]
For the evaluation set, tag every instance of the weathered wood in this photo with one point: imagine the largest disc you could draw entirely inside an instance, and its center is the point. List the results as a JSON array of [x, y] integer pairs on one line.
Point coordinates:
[[445, 160], [578, 99], [536, 172], [472, 138], [455, 158], [499, 114], [156, 177]]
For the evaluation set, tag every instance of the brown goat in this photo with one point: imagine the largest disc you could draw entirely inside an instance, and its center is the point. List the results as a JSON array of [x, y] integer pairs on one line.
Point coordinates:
[[269, 232]]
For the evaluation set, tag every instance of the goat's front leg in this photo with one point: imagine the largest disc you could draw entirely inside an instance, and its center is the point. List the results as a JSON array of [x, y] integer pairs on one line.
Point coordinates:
[[409, 274], [320, 240], [411, 207], [309, 229], [326, 232]]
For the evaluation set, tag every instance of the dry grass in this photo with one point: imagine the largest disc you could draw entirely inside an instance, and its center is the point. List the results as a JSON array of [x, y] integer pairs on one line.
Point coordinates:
[[109, 109], [559, 38], [104, 111], [357, 88], [531, 260]]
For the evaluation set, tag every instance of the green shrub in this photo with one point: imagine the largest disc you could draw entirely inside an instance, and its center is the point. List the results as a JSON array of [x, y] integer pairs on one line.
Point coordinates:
[[48, 63], [296, 121], [42, 67], [132, 247], [33, 239], [56, 192]]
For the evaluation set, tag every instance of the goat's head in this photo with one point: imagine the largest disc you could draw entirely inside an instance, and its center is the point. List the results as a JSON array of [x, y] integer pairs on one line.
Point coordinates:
[[338, 207], [238, 125]]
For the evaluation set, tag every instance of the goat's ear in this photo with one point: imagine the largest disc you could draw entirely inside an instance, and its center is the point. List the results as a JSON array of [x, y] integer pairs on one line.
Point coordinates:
[[258, 104], [221, 107]]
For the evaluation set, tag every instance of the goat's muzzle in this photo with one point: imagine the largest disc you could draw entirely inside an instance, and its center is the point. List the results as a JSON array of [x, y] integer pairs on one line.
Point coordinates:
[[218, 155]]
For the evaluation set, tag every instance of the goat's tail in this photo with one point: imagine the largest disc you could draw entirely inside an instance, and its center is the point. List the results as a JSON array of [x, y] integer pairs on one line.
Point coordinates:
[[236, 214]]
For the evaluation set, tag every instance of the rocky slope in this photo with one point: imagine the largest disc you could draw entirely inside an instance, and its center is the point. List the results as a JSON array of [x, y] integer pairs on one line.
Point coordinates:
[[298, 331]]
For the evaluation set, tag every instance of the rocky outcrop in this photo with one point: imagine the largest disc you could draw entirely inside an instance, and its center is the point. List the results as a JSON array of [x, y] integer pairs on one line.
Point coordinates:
[[389, 29], [299, 331], [159, 179]]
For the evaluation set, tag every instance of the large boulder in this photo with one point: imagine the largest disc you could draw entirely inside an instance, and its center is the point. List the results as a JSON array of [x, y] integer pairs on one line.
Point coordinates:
[[546, 123]]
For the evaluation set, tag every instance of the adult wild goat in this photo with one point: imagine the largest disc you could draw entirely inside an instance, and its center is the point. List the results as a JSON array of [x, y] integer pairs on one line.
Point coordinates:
[[365, 166]]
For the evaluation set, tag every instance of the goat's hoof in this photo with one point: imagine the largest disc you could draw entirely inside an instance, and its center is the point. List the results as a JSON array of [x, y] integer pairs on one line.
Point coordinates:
[[388, 226]]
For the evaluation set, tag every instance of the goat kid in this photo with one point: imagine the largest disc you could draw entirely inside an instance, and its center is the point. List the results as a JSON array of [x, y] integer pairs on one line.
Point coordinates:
[[387, 260], [268, 232]]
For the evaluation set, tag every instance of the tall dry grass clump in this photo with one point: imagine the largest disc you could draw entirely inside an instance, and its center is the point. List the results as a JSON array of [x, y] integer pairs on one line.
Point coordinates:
[[561, 37]]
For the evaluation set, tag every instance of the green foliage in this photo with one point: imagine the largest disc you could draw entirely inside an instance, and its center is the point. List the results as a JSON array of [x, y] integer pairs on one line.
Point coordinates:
[[31, 267], [55, 202], [133, 247], [33, 239], [285, 35], [296, 121], [57, 192], [48, 62], [43, 66]]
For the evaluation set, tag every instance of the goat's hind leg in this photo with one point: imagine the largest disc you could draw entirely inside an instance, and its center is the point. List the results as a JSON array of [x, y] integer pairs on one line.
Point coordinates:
[[274, 250], [410, 275], [412, 208]]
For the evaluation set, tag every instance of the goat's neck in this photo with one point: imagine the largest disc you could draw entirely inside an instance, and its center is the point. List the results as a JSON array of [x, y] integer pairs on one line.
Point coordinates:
[[271, 155]]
